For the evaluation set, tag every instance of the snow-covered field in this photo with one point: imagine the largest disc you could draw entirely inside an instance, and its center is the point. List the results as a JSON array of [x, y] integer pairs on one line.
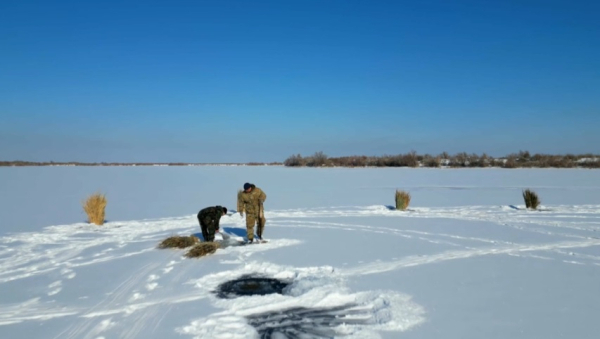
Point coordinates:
[[465, 261]]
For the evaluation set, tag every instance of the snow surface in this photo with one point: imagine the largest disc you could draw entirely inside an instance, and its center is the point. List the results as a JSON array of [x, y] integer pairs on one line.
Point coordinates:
[[467, 260]]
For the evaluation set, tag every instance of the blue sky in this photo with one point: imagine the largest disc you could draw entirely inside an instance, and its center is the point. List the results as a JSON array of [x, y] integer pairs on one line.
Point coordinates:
[[239, 81]]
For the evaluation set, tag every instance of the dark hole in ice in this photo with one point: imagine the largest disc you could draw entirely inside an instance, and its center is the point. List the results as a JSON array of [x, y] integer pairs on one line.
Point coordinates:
[[296, 322], [309, 323], [250, 285]]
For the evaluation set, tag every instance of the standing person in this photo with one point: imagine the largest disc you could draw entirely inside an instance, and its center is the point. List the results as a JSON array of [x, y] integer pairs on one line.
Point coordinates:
[[209, 221], [251, 200]]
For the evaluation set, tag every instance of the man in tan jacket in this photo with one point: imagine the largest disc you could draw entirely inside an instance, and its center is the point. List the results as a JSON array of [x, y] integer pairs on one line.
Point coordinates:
[[250, 201]]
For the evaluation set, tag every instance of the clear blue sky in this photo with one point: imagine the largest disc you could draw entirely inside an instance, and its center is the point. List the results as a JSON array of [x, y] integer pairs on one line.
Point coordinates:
[[239, 81]]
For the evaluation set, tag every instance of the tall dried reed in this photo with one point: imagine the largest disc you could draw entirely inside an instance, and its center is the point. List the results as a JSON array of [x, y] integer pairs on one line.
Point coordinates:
[[94, 206], [531, 199], [402, 200]]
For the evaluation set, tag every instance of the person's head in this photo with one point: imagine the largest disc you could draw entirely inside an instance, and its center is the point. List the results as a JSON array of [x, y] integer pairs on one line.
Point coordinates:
[[224, 209], [248, 187]]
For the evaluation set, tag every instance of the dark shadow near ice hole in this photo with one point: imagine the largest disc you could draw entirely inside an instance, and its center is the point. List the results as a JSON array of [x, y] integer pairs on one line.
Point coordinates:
[[309, 323], [297, 322]]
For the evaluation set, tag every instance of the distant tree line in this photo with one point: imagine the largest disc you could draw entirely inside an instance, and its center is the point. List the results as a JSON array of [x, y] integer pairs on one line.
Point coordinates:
[[75, 163], [459, 160], [522, 159]]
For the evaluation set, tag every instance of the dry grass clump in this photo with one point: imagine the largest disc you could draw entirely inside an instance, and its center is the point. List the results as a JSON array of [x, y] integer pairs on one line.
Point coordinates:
[[94, 207], [531, 199], [202, 249], [402, 200], [179, 242]]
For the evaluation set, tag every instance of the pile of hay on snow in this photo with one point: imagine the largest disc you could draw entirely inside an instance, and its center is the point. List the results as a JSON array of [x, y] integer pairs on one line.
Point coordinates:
[[179, 242], [202, 249]]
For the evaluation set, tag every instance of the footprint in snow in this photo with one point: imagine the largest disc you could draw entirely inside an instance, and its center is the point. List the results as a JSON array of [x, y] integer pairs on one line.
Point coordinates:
[[55, 287], [136, 296], [68, 273]]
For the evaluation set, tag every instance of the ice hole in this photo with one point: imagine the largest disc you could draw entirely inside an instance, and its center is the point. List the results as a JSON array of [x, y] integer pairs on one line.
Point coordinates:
[[250, 285]]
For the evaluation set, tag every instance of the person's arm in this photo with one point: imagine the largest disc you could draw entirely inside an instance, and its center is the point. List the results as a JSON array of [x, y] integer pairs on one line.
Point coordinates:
[[217, 220], [240, 203], [262, 197]]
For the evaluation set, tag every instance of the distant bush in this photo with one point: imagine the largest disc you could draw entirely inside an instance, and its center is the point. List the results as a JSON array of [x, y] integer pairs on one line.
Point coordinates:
[[402, 200], [511, 162], [401, 160], [531, 199], [202, 249], [319, 159], [352, 161], [410, 159], [294, 161], [429, 161], [179, 242], [485, 160], [590, 162], [459, 160], [94, 206]]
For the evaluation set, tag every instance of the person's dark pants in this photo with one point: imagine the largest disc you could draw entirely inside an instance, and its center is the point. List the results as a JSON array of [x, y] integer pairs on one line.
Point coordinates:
[[207, 227]]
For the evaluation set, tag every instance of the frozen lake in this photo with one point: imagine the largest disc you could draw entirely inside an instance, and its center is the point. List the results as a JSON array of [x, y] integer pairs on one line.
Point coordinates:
[[466, 261], [35, 197]]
